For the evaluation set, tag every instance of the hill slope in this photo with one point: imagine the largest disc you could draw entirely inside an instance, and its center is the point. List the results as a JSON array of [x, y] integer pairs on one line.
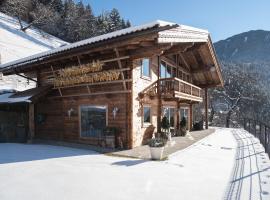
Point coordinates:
[[15, 44], [251, 46]]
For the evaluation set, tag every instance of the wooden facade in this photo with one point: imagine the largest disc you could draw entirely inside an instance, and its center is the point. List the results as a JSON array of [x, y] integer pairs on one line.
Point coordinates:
[[180, 67]]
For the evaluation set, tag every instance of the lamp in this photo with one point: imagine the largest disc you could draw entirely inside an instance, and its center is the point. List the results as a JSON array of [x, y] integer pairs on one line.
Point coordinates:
[[115, 111], [69, 112]]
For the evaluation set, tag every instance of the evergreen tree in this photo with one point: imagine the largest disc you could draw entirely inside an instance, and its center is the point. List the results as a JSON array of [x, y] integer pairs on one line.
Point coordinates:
[[66, 19]]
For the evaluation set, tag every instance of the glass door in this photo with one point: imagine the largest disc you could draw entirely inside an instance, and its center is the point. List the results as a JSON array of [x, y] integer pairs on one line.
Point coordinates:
[[184, 113], [169, 113]]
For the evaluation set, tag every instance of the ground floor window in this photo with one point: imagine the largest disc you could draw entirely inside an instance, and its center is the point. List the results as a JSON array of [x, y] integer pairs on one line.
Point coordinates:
[[184, 112], [169, 113], [93, 120]]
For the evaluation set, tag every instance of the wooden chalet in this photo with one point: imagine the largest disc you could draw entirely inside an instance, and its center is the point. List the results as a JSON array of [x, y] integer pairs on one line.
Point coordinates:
[[126, 79]]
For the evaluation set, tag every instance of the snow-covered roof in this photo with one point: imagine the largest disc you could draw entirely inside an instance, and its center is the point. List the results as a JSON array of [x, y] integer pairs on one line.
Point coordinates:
[[157, 23], [7, 98], [26, 96], [16, 44]]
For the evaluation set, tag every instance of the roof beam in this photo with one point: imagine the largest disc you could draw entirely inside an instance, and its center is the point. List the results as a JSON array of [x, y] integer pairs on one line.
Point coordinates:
[[26, 77], [209, 68]]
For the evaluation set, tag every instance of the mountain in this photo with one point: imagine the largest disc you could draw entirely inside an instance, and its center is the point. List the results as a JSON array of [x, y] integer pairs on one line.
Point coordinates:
[[247, 47], [249, 51]]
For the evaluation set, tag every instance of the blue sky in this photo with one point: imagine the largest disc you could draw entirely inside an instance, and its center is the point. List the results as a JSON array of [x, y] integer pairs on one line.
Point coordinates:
[[223, 18]]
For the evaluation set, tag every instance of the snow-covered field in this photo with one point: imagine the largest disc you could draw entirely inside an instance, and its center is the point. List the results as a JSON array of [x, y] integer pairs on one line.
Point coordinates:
[[228, 164]]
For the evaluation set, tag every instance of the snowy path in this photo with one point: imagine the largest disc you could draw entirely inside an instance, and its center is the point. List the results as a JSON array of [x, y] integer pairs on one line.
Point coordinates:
[[228, 164]]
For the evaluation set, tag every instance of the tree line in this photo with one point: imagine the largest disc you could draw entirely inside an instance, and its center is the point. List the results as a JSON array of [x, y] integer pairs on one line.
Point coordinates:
[[66, 19]]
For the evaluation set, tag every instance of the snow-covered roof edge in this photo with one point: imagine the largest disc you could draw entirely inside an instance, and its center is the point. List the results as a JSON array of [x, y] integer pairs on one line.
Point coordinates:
[[157, 23]]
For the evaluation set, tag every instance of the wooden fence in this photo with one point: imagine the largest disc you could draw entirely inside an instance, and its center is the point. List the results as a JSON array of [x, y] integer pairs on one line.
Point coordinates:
[[260, 131]]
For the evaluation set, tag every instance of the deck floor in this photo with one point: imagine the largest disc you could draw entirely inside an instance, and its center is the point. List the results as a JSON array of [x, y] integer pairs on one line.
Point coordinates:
[[177, 143]]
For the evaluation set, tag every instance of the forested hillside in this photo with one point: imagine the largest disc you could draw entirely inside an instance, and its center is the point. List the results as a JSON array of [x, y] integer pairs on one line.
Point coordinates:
[[245, 60], [66, 19]]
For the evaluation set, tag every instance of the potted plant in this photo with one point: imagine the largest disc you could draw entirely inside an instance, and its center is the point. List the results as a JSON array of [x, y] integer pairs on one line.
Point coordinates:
[[165, 125], [156, 148], [183, 126]]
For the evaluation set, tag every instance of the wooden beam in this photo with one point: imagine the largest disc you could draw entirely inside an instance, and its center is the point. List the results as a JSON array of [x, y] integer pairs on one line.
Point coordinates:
[[147, 43], [148, 51], [204, 68], [26, 77], [54, 74], [92, 94], [206, 107], [184, 61], [91, 84], [170, 62], [87, 86], [120, 67], [159, 106], [175, 49], [190, 116], [103, 61], [31, 121]]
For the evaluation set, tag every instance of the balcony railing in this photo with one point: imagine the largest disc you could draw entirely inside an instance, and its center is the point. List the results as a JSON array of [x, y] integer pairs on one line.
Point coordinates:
[[174, 87]]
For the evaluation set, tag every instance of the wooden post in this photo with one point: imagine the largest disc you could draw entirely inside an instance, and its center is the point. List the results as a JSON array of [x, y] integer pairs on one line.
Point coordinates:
[[31, 121], [159, 105], [206, 107], [190, 116], [178, 116]]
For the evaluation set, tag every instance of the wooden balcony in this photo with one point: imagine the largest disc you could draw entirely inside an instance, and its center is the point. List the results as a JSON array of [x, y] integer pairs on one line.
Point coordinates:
[[177, 88]]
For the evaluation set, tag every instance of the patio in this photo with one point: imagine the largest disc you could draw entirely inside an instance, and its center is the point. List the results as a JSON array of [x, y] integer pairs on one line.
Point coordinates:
[[177, 143]]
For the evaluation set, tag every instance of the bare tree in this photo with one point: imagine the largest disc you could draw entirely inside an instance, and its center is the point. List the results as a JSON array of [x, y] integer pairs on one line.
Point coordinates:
[[241, 94]]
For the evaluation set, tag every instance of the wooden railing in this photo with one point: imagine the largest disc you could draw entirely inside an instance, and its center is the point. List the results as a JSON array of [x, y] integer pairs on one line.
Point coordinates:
[[260, 131], [176, 86]]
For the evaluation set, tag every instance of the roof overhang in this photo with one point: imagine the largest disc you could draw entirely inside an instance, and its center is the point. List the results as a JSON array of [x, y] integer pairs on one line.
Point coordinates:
[[183, 34], [27, 96]]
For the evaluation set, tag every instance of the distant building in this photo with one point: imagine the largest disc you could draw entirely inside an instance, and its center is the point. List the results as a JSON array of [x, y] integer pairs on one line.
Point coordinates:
[[16, 44]]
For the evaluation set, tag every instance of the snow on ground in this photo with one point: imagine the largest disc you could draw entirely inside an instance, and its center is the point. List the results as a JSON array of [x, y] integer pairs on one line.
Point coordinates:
[[228, 164]]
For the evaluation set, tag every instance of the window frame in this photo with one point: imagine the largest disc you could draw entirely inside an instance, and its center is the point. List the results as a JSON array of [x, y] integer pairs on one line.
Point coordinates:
[[145, 124], [80, 118], [150, 71]]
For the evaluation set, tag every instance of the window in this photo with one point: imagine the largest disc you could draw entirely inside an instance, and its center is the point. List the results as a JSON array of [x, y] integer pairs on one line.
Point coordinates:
[[145, 68], [93, 120], [169, 113], [184, 112], [146, 114], [163, 70], [166, 71]]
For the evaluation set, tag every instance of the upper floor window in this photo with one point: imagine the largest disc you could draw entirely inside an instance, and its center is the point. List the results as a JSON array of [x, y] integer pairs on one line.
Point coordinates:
[[166, 70], [145, 68]]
